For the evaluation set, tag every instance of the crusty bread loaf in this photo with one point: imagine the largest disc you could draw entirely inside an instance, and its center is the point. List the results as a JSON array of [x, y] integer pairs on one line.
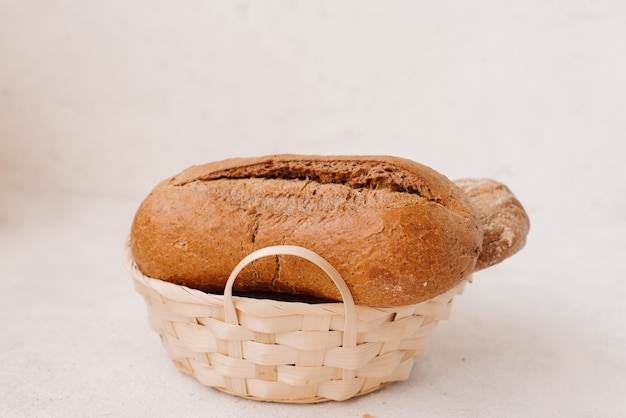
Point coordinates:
[[397, 231], [504, 220]]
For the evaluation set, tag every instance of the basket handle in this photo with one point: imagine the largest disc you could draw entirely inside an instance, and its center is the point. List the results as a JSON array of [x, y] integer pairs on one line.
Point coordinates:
[[351, 325]]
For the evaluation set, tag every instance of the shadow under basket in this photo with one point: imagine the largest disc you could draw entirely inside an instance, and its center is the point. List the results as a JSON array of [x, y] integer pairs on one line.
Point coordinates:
[[291, 352]]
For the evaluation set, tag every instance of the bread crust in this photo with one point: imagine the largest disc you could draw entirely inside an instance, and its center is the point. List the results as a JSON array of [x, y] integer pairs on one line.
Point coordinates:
[[397, 231]]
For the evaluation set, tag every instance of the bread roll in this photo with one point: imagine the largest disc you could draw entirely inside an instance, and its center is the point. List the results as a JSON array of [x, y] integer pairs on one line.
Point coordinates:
[[504, 220], [398, 232]]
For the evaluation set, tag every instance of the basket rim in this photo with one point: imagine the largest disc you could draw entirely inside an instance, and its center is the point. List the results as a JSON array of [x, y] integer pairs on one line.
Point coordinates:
[[185, 294]]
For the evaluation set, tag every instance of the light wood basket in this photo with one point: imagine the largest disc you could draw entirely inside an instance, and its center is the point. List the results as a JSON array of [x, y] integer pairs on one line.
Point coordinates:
[[290, 352]]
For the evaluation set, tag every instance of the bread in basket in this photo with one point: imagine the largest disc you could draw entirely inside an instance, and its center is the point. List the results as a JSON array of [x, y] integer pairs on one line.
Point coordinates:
[[341, 268]]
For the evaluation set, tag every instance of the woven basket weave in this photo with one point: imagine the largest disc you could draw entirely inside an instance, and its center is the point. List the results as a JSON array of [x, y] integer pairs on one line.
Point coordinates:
[[290, 352]]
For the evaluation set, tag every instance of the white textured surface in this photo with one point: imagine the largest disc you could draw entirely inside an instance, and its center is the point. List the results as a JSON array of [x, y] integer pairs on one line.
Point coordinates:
[[98, 102]]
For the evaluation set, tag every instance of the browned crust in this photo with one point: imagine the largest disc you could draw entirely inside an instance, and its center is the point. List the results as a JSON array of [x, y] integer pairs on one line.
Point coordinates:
[[504, 220], [397, 231]]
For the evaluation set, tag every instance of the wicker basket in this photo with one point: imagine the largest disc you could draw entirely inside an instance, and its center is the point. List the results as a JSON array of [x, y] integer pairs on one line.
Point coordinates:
[[291, 352]]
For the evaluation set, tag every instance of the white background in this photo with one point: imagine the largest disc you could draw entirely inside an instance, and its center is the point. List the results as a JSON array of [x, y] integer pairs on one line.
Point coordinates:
[[101, 100]]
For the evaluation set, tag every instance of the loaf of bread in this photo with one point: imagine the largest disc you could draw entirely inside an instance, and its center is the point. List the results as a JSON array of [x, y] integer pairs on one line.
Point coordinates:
[[397, 231]]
